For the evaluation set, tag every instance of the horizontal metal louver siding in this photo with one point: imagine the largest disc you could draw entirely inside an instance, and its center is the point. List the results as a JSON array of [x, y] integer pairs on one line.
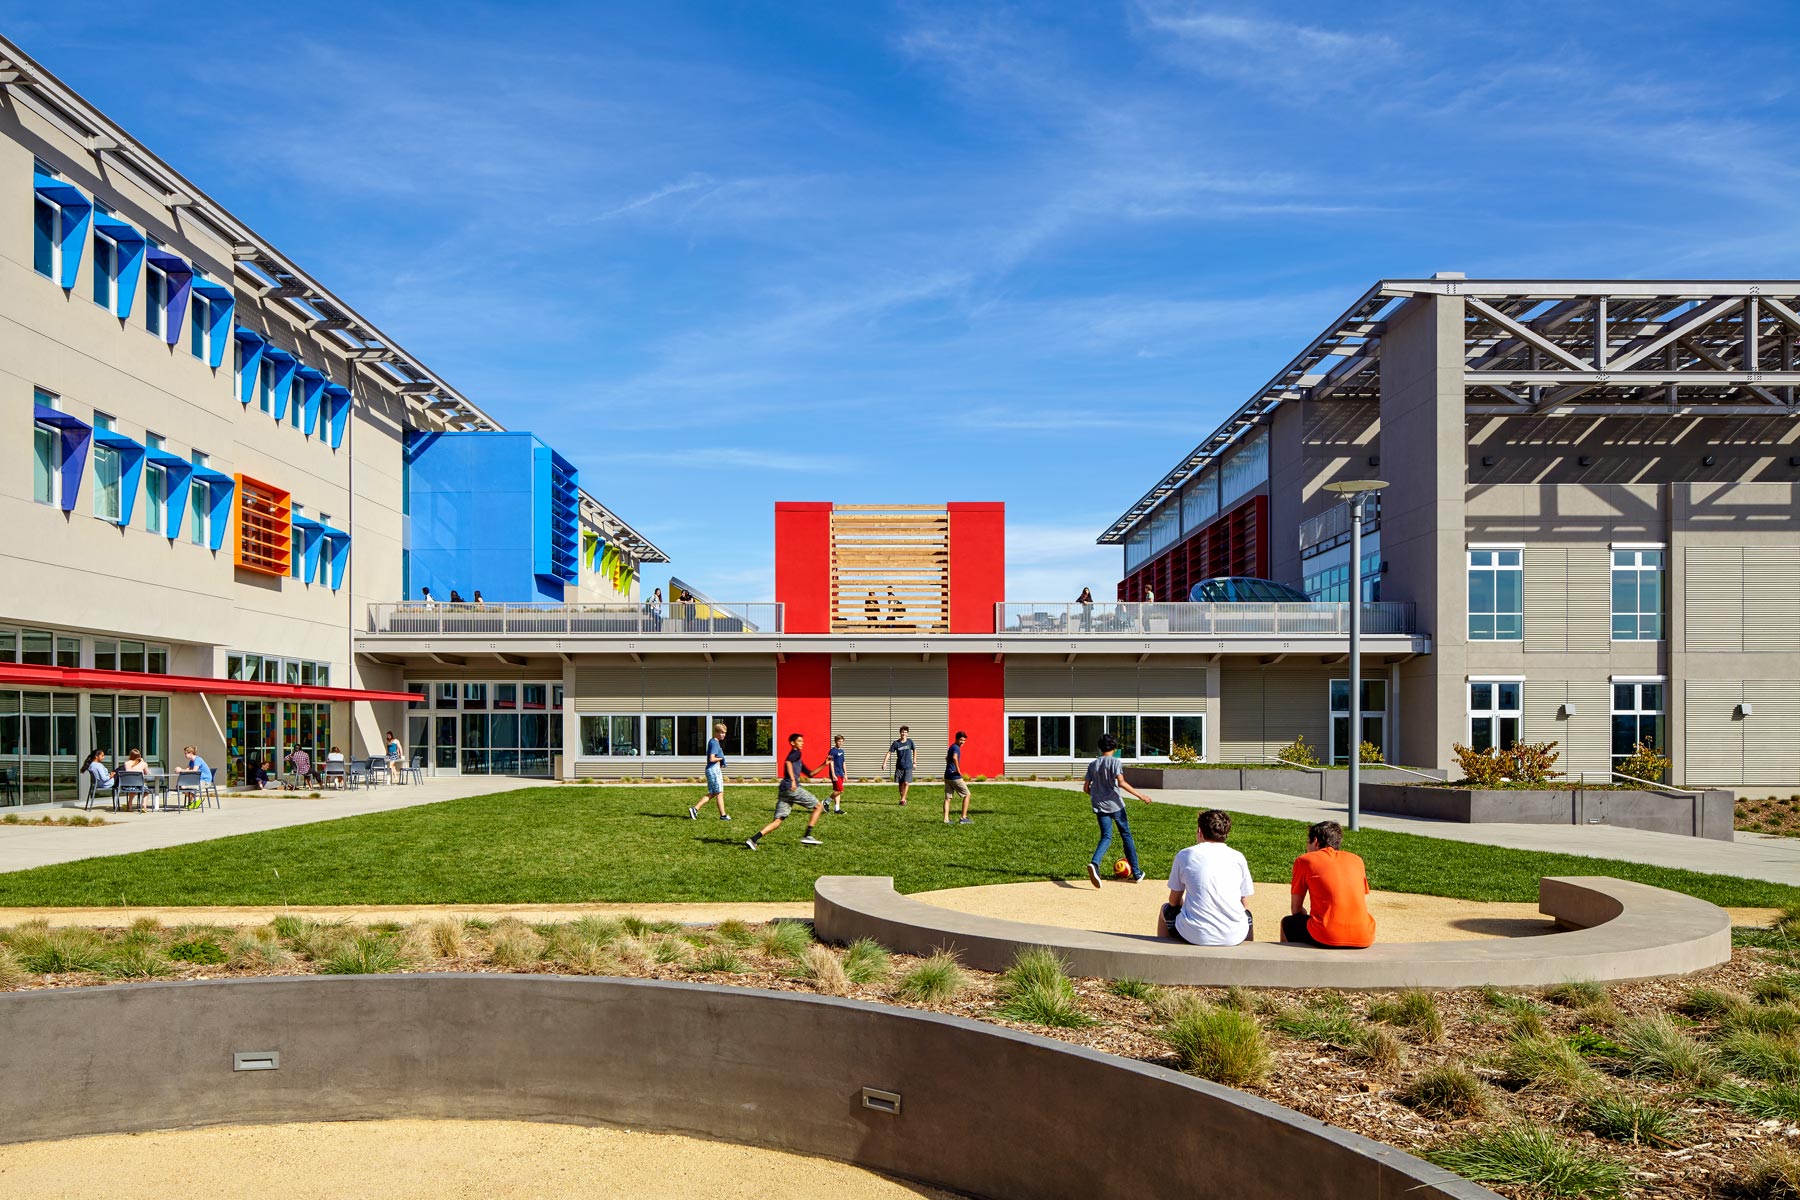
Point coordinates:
[[676, 690], [1240, 714], [1772, 599], [609, 689], [1713, 604], [921, 699], [1172, 689], [859, 711], [1713, 737], [1587, 736], [1546, 598], [1105, 689], [1295, 703], [1039, 688], [1771, 751], [742, 689], [1541, 701], [1588, 613]]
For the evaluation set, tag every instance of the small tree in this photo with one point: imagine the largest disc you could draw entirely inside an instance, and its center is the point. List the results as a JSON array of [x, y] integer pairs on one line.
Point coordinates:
[[1298, 753], [1533, 762], [1183, 752], [1645, 762], [1369, 752], [1482, 768]]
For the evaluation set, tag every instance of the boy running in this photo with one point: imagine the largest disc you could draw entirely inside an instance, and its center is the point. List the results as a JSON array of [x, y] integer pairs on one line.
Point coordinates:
[[901, 751], [791, 796], [715, 775], [953, 779], [834, 766]]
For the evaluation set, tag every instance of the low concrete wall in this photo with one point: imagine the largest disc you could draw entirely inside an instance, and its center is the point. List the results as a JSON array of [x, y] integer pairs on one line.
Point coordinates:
[[1707, 815], [984, 1111], [1332, 787], [1624, 931]]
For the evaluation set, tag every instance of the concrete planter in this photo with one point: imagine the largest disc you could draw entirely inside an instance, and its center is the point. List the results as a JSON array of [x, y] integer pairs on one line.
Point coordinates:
[[1708, 815], [1332, 787]]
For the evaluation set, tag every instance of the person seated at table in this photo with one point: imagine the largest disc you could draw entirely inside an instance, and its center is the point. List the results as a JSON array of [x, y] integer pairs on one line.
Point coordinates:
[[255, 774], [393, 756], [1209, 889], [303, 766], [455, 596], [334, 755], [1334, 880], [197, 764], [95, 766]]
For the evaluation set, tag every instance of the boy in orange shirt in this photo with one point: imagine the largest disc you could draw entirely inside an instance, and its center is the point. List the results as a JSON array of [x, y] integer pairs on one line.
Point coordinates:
[[1335, 881]]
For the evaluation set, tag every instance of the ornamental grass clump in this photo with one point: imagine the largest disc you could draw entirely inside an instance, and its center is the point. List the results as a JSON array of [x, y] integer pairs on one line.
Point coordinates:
[[737, 932], [1655, 1047], [46, 951], [1771, 1057], [1412, 1010], [364, 954], [1712, 1004], [1539, 1061], [1225, 1045], [1131, 988], [1621, 1118], [136, 961], [1532, 1158], [867, 961], [1575, 993], [1447, 1091], [1036, 990], [821, 965], [514, 944], [1776, 1102], [720, 960], [785, 939], [935, 980], [13, 973]]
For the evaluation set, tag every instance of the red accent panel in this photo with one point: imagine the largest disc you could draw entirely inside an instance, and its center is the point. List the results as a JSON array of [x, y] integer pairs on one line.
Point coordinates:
[[803, 567], [977, 686], [977, 565], [135, 681], [803, 704], [1236, 543]]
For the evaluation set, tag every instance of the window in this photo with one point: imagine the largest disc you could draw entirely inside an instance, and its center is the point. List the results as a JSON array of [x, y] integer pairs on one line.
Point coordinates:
[[156, 489], [1637, 717], [611, 736], [297, 559], [106, 272], [46, 454], [1065, 736], [746, 736], [68, 651], [37, 647], [108, 472], [106, 655], [1496, 594], [296, 400], [46, 238], [1158, 734], [156, 300], [156, 660], [1374, 718], [199, 505], [1637, 575], [1496, 707], [265, 386], [200, 327]]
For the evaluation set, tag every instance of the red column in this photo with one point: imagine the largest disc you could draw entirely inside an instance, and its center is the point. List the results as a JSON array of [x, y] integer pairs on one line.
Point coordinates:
[[803, 566], [977, 565], [803, 704], [977, 686]]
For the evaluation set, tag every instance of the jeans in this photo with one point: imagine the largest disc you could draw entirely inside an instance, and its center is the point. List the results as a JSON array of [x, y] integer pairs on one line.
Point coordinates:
[[1107, 821]]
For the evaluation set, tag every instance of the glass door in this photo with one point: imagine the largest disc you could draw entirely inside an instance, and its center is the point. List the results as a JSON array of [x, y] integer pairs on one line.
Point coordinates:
[[1374, 718], [445, 744]]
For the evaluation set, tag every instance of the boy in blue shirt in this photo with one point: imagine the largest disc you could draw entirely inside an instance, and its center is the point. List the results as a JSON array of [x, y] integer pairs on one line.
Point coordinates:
[[791, 796], [901, 751], [953, 779], [834, 767], [715, 775]]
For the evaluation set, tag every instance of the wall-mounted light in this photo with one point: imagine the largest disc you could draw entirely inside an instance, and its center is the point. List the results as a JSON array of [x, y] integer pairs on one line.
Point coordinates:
[[1567, 710], [1745, 710], [1709, 460], [1487, 460], [1585, 461], [1374, 460]]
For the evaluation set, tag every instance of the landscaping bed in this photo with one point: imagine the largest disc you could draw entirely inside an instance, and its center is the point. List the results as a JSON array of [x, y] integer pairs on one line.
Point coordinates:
[[1708, 815], [1672, 1088], [1779, 815]]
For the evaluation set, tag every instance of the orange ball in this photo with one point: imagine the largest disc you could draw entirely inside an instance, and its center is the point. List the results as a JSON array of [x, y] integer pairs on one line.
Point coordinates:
[[1122, 869]]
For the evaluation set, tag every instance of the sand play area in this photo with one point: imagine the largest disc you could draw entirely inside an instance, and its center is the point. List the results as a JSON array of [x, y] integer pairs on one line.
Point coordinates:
[[427, 1160]]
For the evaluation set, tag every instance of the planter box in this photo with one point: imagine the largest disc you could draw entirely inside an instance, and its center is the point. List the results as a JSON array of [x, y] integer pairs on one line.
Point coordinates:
[[1708, 815], [1332, 787]]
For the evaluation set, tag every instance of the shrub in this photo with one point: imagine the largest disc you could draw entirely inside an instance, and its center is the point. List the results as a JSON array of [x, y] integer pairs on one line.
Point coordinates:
[[1656, 1048], [867, 961], [1533, 1060], [1574, 993], [1224, 1045], [785, 939], [1621, 1118], [1764, 1056], [1131, 988], [1532, 1158], [935, 980], [1644, 762], [1183, 752], [364, 954], [1533, 762], [1299, 753], [1446, 1091], [1591, 1044], [821, 965], [1712, 1004], [1480, 768], [1369, 752], [1414, 1010], [203, 951], [138, 962], [1776, 1102], [720, 960]]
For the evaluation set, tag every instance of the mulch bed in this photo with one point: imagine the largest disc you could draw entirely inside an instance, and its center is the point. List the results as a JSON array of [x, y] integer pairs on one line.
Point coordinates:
[[1772, 814]]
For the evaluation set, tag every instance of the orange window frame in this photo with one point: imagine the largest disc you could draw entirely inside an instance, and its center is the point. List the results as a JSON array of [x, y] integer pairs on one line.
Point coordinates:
[[264, 534]]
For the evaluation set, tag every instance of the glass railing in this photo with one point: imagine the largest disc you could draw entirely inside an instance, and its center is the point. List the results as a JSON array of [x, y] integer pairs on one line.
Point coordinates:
[[414, 619], [1206, 620]]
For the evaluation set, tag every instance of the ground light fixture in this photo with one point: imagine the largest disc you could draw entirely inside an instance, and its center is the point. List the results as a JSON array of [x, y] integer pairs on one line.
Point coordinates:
[[1356, 493]]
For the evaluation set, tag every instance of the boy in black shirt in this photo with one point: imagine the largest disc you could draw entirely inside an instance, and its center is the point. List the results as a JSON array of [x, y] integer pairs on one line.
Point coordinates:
[[791, 795], [953, 778]]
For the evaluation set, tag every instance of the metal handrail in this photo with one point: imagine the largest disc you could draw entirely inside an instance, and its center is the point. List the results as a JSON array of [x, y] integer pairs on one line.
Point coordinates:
[[1138, 618], [413, 617], [1289, 763], [1408, 770], [1667, 787]]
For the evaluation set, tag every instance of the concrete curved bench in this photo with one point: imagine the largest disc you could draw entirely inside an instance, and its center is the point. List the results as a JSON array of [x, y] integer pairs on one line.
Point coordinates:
[[979, 1110], [1620, 931]]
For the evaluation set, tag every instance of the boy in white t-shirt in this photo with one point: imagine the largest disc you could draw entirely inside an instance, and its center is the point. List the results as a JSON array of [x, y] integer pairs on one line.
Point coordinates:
[[1208, 886]]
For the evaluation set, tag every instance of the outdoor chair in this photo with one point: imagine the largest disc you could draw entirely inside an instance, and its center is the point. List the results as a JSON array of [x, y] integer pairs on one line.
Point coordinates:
[[111, 789], [131, 783], [187, 784], [416, 769], [357, 771], [377, 770], [335, 773]]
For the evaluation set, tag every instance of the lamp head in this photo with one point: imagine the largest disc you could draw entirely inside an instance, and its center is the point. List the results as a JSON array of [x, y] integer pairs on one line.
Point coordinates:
[[1350, 487]]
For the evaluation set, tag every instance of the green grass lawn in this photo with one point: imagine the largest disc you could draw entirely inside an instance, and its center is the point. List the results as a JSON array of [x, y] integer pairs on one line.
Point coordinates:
[[635, 845]]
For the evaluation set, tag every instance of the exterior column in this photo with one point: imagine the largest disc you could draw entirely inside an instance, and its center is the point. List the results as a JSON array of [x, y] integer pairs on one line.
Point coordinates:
[[803, 704], [571, 721], [977, 567], [977, 687], [1423, 532], [803, 566]]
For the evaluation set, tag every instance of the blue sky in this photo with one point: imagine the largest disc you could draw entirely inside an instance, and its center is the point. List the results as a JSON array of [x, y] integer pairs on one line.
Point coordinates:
[[727, 254]]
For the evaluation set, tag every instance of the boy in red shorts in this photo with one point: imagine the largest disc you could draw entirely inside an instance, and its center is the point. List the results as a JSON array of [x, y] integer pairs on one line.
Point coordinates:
[[834, 763]]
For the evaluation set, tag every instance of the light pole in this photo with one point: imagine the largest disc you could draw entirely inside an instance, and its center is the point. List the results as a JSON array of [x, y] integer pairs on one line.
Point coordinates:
[[1355, 492]]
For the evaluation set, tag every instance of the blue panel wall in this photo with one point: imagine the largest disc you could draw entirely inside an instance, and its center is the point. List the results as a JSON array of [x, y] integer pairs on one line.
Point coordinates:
[[474, 518]]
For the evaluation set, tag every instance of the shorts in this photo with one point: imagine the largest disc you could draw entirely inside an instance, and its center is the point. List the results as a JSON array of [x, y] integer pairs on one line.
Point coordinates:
[[954, 786], [715, 779], [787, 802], [1293, 929], [1171, 911], [903, 774], [837, 786]]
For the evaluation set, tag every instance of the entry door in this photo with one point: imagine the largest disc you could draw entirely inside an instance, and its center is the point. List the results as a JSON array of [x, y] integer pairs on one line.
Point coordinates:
[[1374, 718], [444, 745]]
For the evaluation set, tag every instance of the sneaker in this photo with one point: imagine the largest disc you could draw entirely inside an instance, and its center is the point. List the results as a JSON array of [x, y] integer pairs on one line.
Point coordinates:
[[724, 816], [1138, 878], [693, 812], [1093, 873], [750, 842], [965, 821], [810, 840], [838, 811]]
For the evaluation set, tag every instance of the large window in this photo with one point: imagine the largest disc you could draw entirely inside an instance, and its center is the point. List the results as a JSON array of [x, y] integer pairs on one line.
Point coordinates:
[[200, 327], [1373, 719], [1496, 710], [121, 723], [156, 489], [199, 505], [676, 735], [46, 455], [1077, 736], [46, 238], [265, 385], [1496, 594], [1637, 591], [108, 469], [1637, 717]]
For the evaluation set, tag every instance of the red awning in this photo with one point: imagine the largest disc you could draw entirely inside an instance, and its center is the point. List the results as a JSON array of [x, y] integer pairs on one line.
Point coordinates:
[[32, 675]]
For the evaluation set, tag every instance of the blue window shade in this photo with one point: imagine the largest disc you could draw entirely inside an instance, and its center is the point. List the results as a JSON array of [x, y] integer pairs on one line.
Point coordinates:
[[76, 434], [76, 211], [181, 282], [220, 488], [313, 390], [309, 537], [556, 511], [178, 473], [131, 469], [285, 366], [251, 345], [221, 306], [337, 553], [339, 396], [131, 259]]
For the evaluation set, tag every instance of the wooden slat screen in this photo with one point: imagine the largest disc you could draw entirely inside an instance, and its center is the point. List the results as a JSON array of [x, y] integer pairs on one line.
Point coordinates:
[[890, 568], [264, 527]]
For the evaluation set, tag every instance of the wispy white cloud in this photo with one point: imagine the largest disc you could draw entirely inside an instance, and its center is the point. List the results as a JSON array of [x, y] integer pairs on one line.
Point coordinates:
[[1267, 50], [692, 182]]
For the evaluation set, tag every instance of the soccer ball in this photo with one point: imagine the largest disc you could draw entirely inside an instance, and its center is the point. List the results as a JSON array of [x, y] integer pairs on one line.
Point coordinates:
[[1122, 869]]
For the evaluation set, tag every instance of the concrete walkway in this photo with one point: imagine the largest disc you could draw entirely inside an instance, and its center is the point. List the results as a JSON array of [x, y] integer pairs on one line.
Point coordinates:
[[25, 846], [1751, 856]]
